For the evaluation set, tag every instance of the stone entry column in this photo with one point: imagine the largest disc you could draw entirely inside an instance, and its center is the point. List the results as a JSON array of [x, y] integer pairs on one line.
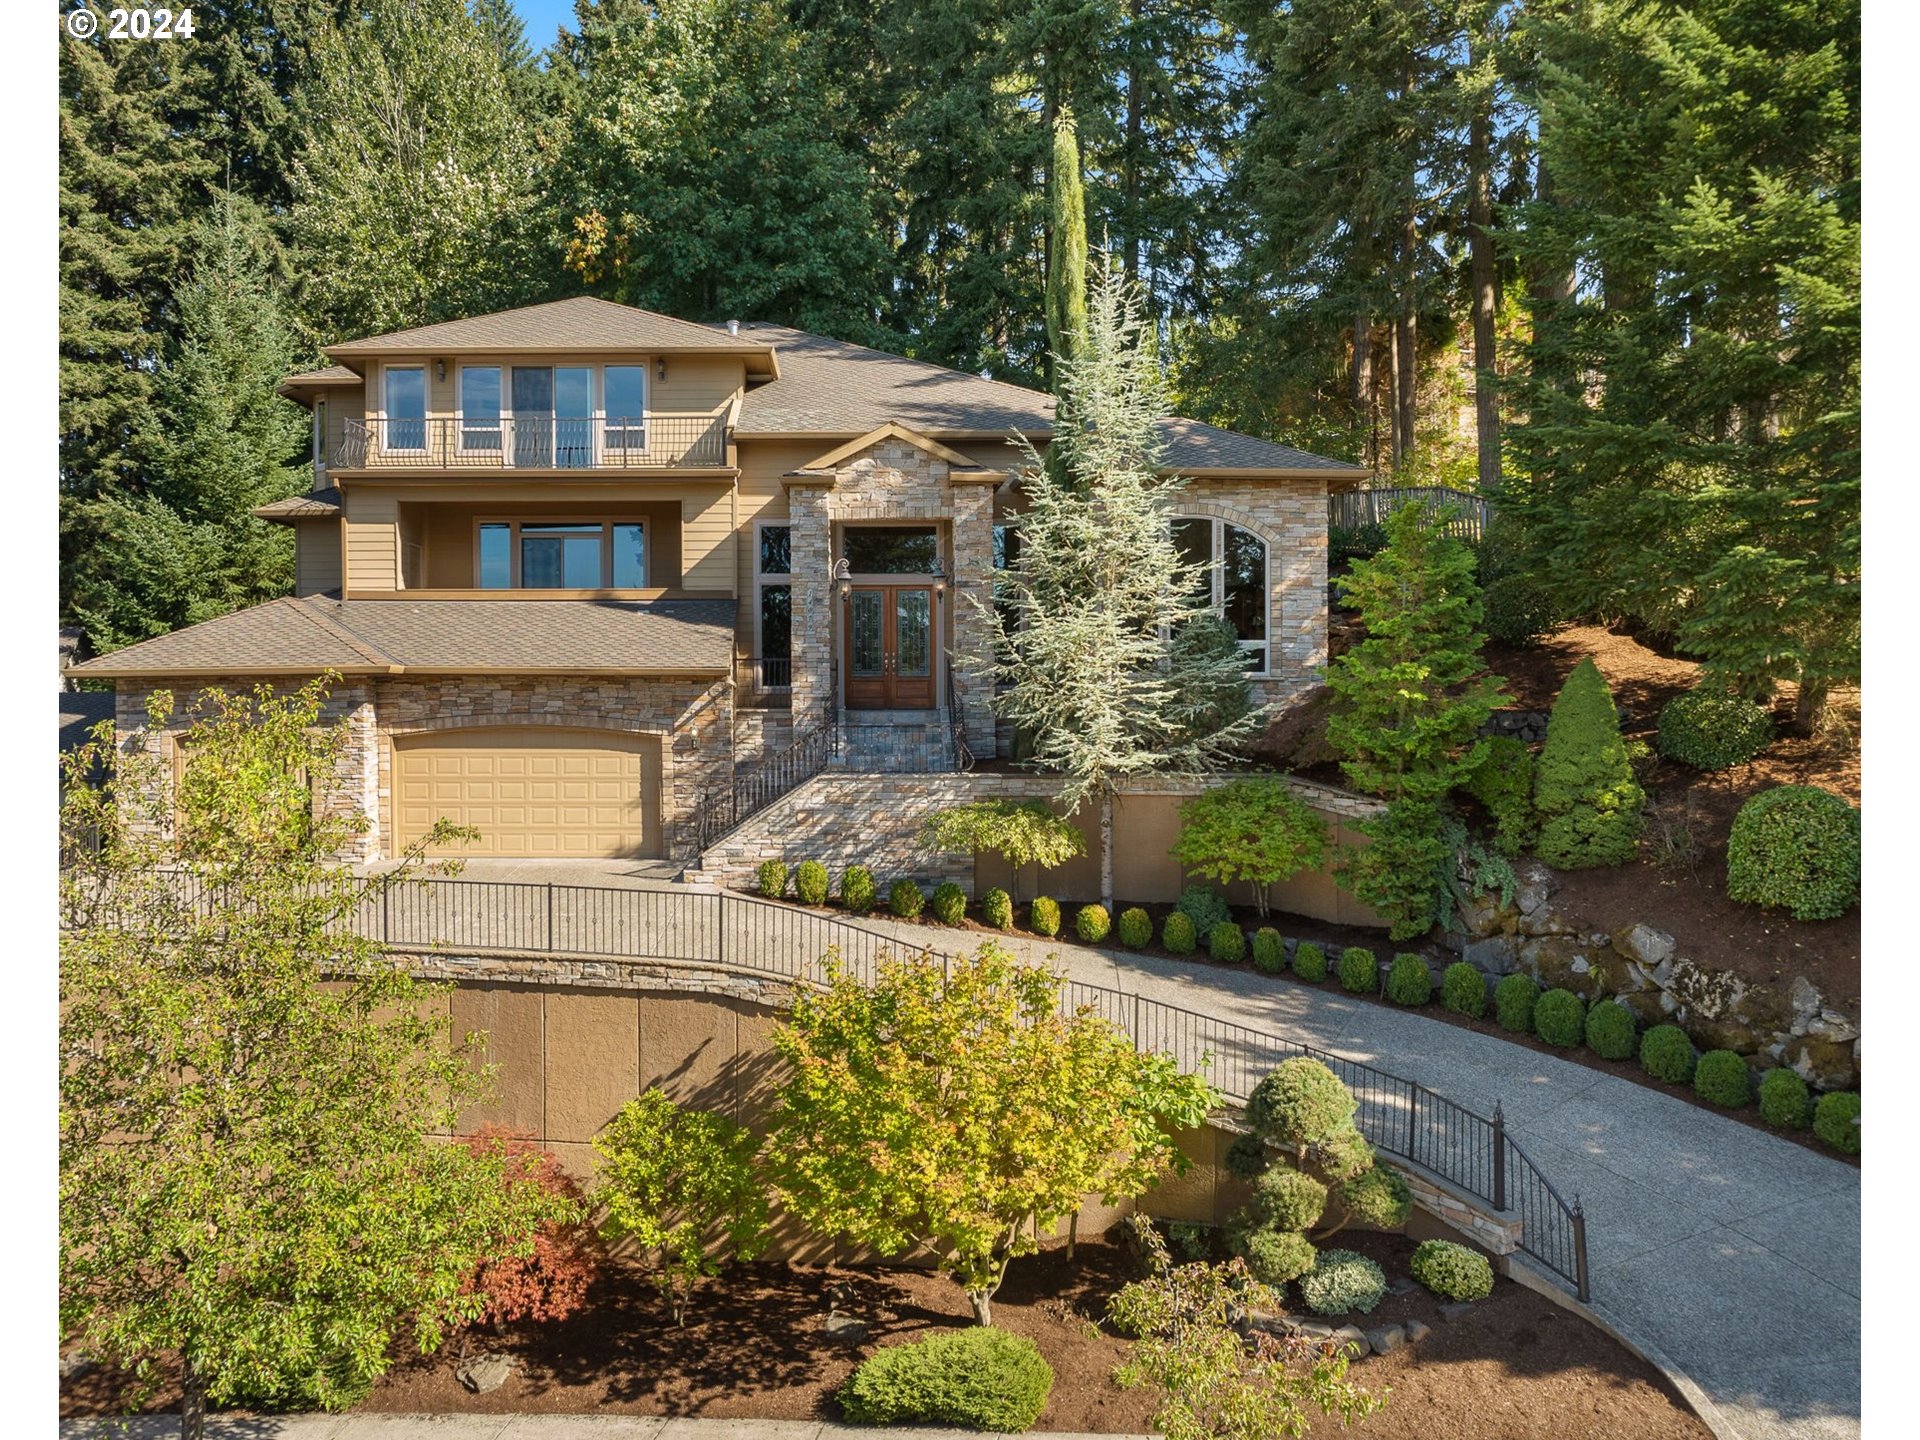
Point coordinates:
[[972, 633], [810, 532]]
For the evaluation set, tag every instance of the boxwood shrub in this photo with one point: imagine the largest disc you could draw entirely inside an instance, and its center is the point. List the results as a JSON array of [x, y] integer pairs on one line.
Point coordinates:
[[1093, 924], [810, 883], [981, 1378], [949, 903], [905, 900], [1409, 982], [1559, 1017], [1836, 1120], [996, 909], [1275, 1256], [1712, 729], [1610, 1030], [1226, 944], [1269, 951], [1341, 1281], [1309, 962], [1463, 990], [1721, 1077], [1667, 1054], [1136, 928], [771, 880], [1785, 1101], [1513, 1000], [1452, 1271], [1043, 916], [1359, 970], [858, 889], [1178, 934], [1516, 610], [1796, 847]]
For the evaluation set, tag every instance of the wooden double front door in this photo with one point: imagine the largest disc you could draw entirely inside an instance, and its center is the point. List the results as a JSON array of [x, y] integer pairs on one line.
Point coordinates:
[[889, 633]]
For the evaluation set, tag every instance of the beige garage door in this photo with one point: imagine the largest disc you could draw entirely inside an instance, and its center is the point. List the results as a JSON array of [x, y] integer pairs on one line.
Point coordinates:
[[532, 792]]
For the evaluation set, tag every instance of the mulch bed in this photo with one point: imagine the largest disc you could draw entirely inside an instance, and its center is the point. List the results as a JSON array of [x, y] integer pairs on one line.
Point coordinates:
[[1514, 1367]]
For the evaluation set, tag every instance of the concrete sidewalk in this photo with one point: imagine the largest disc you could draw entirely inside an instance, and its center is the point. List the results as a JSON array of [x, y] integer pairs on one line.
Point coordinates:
[[1719, 1250], [513, 1427]]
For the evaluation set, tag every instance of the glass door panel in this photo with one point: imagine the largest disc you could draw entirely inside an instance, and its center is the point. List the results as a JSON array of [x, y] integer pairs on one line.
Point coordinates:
[[560, 557], [573, 416], [913, 631], [868, 656], [532, 415]]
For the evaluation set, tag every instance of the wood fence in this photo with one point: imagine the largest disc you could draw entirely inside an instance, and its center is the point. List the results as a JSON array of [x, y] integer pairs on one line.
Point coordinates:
[[1353, 508]]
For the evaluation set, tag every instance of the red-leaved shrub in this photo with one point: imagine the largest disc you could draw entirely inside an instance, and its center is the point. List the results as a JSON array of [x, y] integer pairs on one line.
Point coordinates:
[[551, 1283]]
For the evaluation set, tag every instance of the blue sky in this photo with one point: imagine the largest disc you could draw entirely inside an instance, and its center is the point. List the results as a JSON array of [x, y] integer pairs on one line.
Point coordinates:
[[543, 18]]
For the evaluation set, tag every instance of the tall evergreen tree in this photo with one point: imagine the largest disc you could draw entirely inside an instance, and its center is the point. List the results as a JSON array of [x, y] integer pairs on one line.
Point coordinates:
[[1067, 243]]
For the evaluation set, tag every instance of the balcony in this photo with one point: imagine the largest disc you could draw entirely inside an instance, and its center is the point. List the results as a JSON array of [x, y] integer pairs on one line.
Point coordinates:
[[444, 442]]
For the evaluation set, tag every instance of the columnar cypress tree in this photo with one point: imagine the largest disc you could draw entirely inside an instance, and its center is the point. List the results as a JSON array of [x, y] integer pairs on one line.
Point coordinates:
[[1583, 788], [1067, 255]]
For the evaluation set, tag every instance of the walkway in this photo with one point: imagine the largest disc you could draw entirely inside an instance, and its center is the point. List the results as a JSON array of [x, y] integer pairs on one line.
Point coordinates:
[[511, 1427]]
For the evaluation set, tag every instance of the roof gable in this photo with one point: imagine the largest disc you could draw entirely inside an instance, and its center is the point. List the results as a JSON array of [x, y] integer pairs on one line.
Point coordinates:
[[890, 431]]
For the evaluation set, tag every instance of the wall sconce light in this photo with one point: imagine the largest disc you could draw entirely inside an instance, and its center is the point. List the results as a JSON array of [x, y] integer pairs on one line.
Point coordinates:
[[440, 369], [660, 367]]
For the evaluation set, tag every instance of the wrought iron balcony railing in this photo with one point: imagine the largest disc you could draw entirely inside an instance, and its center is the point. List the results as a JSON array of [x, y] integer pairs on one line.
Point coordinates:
[[445, 442]]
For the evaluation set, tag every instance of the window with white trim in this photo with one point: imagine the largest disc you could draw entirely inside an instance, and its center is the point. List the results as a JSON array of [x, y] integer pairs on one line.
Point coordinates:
[[1236, 577], [773, 604]]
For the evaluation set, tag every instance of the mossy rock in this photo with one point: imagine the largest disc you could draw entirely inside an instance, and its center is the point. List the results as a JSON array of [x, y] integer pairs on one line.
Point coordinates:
[[1823, 1064]]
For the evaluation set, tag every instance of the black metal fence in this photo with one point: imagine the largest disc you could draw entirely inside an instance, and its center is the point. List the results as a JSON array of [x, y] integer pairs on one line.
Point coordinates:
[[1469, 1151], [757, 785], [538, 442]]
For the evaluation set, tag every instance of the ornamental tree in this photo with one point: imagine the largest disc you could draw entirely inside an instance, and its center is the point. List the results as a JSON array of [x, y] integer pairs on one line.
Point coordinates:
[[246, 1178], [958, 1111], [551, 1282], [1256, 830], [681, 1183], [1021, 832]]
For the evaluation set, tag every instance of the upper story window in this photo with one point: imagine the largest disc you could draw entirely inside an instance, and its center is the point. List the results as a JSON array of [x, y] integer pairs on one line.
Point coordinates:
[[561, 555], [479, 407], [891, 549], [626, 407], [406, 406], [1235, 577]]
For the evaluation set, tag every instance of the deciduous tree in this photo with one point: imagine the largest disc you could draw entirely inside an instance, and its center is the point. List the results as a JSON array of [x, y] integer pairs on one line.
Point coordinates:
[[1255, 830], [1021, 832]]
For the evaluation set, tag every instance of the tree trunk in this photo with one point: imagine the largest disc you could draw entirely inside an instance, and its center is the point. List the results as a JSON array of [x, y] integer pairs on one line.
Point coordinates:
[[1132, 242], [193, 1403], [1406, 350], [1486, 299], [1360, 369], [1106, 847], [1810, 707], [982, 1303], [1073, 1233]]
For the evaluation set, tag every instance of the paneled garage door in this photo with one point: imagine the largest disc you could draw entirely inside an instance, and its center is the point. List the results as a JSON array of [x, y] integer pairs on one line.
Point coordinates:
[[532, 792]]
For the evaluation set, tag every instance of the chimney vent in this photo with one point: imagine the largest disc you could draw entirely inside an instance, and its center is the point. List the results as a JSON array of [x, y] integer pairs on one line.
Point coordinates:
[[733, 327]]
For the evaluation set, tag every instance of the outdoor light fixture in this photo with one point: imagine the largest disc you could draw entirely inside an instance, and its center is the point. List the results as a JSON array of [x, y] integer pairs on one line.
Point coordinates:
[[440, 369], [660, 367]]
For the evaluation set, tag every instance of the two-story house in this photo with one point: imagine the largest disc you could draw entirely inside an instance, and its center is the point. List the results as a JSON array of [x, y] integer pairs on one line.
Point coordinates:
[[578, 565]]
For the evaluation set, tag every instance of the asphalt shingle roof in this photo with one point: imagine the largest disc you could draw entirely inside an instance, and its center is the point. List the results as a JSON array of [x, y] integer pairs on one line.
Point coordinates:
[[314, 633], [582, 323], [314, 505], [80, 711]]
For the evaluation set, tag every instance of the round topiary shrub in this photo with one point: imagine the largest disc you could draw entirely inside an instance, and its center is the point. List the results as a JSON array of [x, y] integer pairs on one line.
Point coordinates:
[[1513, 1000], [1359, 970], [1288, 1199], [1341, 1281], [1269, 951], [905, 900], [1516, 610], [1178, 934], [1559, 1018], [1309, 962], [1093, 924], [1712, 729], [810, 883], [949, 903], [1452, 1271], [1300, 1102], [1721, 1077], [1409, 982], [858, 889], [1667, 1054], [1276, 1256], [1204, 907], [980, 1378], [1610, 1030], [1246, 1157], [1836, 1120], [1463, 990], [1785, 1101], [996, 909], [1378, 1199], [771, 879], [1343, 1154], [1226, 944], [1796, 847], [1135, 927], [1043, 916]]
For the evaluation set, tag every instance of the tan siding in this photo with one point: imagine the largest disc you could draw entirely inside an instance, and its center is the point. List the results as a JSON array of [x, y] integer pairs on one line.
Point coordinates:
[[762, 497], [373, 542], [316, 556], [695, 384], [707, 551]]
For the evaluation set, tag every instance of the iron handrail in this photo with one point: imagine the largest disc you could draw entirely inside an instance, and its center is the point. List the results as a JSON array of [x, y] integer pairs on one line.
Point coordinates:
[[545, 442]]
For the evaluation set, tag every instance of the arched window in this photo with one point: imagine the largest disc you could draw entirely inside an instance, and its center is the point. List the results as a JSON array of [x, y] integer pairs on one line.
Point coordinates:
[[1236, 561]]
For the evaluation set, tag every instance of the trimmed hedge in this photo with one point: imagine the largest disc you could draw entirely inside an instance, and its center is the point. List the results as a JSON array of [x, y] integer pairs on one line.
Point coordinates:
[[1559, 1018], [858, 889], [1610, 1030], [949, 903], [1359, 970], [1043, 916], [1269, 951], [771, 879], [1463, 990], [996, 909], [1136, 928], [1093, 924], [982, 1378], [810, 883], [1310, 962], [1409, 981], [1712, 729], [1452, 1271], [1513, 1001], [1796, 847], [1178, 934], [1226, 944], [1341, 1281], [1785, 1101], [1721, 1077], [1667, 1054], [1836, 1120], [1288, 1199]]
